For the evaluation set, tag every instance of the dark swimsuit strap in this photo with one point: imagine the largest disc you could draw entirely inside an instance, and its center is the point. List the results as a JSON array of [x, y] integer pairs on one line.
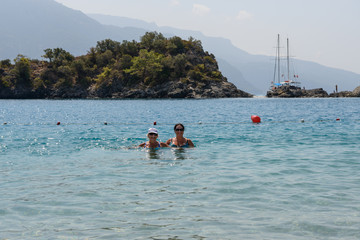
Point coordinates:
[[146, 144], [186, 143]]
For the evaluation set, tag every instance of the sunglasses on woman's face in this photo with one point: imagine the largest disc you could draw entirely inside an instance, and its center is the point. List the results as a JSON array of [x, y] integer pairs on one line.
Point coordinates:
[[152, 134], [179, 129]]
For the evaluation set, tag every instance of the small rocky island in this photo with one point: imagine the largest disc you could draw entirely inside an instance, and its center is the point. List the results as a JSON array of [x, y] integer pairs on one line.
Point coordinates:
[[155, 67], [289, 91]]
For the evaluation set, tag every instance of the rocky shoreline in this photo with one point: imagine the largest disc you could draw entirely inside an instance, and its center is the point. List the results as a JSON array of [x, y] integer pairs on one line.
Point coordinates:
[[173, 89], [188, 89], [296, 92]]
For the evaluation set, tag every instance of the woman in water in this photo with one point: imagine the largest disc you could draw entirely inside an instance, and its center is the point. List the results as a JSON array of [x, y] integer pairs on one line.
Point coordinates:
[[152, 143], [179, 140]]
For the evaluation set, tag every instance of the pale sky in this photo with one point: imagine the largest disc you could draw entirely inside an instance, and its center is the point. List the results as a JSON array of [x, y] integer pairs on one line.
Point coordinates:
[[322, 31]]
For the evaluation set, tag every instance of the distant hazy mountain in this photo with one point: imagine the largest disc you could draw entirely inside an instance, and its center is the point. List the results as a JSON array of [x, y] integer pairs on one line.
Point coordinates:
[[29, 26], [123, 22]]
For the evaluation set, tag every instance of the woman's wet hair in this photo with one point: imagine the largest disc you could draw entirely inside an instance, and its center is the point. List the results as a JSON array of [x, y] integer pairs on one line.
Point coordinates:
[[179, 124]]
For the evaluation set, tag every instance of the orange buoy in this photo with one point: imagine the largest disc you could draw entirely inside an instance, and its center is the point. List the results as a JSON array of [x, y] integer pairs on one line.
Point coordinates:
[[255, 119], [58, 123]]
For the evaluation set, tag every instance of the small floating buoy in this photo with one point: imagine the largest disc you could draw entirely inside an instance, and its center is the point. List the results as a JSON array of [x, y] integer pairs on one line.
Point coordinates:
[[105, 123], [338, 119], [255, 119], [58, 123], [154, 123]]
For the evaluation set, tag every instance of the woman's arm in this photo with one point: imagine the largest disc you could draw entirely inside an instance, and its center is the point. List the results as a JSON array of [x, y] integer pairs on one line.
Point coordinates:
[[191, 144]]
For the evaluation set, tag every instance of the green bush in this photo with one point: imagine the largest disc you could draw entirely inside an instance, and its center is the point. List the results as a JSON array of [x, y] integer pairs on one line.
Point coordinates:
[[65, 75], [108, 45], [195, 75], [22, 71], [5, 82], [124, 62], [179, 64], [105, 58], [38, 83], [5, 63], [209, 59], [176, 45], [104, 76], [146, 66], [130, 48], [216, 75], [58, 56], [81, 71]]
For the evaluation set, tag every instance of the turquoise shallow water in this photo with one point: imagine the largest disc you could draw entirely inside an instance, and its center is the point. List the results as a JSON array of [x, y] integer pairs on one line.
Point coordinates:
[[281, 179]]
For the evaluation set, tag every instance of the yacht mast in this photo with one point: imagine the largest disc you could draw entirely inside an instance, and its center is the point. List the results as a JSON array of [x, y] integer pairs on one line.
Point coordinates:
[[288, 60], [278, 57]]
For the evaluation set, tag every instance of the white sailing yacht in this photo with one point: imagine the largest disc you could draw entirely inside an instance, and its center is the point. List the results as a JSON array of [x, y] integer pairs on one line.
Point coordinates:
[[281, 79]]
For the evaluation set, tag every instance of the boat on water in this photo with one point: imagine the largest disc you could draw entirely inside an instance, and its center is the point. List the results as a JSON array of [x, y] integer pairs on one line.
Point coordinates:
[[285, 82], [281, 79]]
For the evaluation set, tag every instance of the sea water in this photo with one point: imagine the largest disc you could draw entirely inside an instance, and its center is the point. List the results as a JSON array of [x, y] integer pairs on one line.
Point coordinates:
[[296, 175]]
